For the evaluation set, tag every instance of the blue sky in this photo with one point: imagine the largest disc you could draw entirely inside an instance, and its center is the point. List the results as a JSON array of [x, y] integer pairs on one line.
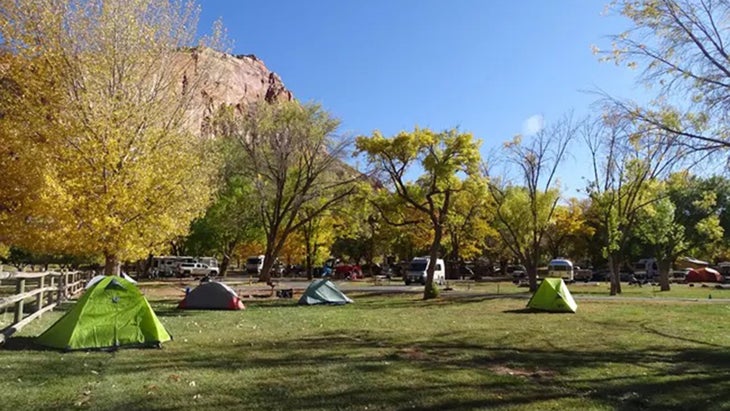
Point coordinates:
[[486, 66]]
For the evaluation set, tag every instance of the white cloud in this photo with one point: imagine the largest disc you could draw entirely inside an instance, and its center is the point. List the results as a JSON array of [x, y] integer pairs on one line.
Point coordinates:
[[533, 125]]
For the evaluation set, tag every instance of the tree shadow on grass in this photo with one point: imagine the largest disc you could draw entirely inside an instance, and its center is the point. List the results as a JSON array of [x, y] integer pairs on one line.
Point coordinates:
[[377, 370], [501, 377]]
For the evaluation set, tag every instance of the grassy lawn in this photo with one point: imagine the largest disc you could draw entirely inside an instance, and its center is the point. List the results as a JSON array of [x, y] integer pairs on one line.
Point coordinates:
[[398, 352]]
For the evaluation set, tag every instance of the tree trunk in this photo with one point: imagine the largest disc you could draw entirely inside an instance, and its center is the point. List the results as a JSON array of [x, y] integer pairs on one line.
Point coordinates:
[[429, 290], [531, 267], [615, 268], [112, 265], [309, 252], [265, 274], [664, 265], [225, 262], [147, 266]]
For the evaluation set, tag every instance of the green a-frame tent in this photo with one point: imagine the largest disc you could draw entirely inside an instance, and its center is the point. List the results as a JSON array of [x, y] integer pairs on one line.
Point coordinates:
[[553, 295], [323, 291], [112, 313]]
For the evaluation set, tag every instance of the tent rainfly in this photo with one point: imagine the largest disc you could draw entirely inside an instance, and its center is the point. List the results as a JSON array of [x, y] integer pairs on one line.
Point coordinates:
[[112, 313], [553, 295], [323, 291], [212, 295]]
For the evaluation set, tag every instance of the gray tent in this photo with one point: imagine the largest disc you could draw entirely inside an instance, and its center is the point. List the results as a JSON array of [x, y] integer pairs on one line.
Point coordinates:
[[212, 296], [323, 291]]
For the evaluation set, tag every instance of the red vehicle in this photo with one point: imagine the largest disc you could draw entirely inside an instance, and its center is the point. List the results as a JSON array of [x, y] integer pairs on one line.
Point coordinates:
[[342, 271]]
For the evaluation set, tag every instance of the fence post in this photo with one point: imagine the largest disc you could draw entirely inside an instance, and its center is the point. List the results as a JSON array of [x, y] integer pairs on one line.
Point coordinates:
[[61, 284], [52, 285], [19, 289], [39, 298]]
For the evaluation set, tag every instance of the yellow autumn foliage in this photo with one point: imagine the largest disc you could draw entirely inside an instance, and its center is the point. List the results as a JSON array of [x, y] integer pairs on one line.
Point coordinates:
[[95, 147]]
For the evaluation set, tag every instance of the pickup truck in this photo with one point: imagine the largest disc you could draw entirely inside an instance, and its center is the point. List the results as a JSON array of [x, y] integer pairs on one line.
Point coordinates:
[[196, 269]]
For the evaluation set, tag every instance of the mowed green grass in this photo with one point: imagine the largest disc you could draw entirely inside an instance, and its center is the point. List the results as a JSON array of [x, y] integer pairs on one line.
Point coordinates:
[[397, 352]]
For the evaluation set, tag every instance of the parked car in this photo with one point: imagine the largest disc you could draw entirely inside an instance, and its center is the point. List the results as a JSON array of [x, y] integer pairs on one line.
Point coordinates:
[[604, 274], [601, 275], [516, 270], [582, 274], [196, 269]]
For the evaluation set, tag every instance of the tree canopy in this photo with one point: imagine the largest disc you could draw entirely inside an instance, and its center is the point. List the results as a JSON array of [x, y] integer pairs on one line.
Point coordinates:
[[95, 118]]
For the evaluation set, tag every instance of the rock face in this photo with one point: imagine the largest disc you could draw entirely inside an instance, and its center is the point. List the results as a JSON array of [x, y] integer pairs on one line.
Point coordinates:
[[219, 79]]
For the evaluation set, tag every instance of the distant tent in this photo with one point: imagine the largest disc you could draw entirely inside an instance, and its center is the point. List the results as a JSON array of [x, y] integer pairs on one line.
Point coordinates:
[[112, 313], [553, 295], [323, 291], [212, 296], [703, 275], [689, 262]]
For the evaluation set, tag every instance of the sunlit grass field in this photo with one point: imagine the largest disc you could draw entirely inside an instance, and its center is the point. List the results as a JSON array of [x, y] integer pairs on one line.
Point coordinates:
[[476, 347]]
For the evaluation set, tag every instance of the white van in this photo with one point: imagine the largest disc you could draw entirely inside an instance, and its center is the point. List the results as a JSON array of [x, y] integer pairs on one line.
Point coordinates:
[[561, 268], [254, 264], [417, 271]]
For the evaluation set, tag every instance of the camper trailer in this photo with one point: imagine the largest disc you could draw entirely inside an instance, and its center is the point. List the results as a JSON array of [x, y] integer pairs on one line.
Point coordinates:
[[561, 268], [166, 266]]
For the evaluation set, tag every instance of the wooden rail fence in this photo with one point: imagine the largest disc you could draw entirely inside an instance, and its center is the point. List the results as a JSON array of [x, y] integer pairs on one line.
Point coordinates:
[[46, 289]]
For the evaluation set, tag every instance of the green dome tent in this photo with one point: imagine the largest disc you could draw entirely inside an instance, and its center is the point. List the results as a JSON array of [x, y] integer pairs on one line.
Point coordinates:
[[323, 291], [112, 313], [553, 295]]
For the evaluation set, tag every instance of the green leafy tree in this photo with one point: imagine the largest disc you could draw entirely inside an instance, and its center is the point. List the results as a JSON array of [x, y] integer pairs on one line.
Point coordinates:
[[629, 161], [682, 46], [442, 157], [525, 204], [292, 154], [229, 221]]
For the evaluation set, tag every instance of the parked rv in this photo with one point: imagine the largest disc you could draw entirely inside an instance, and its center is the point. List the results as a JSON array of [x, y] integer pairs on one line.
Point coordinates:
[[254, 264], [645, 269], [166, 266], [561, 268], [417, 271]]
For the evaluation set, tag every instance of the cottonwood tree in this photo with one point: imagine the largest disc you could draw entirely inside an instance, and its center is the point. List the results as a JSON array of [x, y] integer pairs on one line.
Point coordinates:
[[685, 221], [292, 154], [469, 224], [228, 222], [317, 233], [443, 157], [569, 233], [629, 160], [682, 46], [95, 112], [526, 194]]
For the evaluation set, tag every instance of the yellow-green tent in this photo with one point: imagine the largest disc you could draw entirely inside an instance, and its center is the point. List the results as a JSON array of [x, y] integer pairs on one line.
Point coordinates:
[[112, 313], [553, 295]]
